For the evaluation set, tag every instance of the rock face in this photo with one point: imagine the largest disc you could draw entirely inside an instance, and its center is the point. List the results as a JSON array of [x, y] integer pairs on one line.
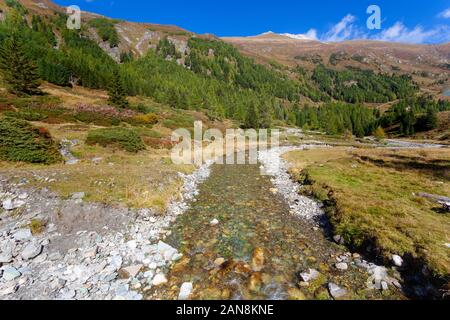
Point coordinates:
[[185, 291]]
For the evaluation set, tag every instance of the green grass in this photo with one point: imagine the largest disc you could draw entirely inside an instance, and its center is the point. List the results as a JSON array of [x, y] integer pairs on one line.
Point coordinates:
[[126, 139], [374, 203]]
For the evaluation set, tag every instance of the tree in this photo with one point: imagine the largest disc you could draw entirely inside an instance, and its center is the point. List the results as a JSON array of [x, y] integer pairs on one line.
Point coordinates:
[[116, 92], [252, 118], [19, 71]]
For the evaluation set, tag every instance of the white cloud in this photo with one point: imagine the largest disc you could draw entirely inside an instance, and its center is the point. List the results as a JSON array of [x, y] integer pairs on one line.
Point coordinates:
[[400, 33], [310, 35], [445, 14], [343, 30]]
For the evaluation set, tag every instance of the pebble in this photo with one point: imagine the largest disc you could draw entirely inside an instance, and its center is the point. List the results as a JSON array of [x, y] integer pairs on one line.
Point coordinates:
[[215, 222], [397, 260], [342, 266], [131, 271], [159, 279], [22, 235], [185, 291], [311, 275]]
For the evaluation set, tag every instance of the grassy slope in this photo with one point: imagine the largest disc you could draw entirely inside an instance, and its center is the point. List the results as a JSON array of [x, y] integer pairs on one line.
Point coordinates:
[[375, 198], [145, 179]]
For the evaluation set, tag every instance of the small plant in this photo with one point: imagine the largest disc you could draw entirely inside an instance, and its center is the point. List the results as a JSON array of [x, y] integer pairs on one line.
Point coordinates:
[[146, 119], [124, 138], [37, 226], [20, 141]]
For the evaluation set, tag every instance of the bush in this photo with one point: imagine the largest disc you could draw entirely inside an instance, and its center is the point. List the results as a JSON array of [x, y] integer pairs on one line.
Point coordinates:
[[146, 119], [20, 141], [124, 138]]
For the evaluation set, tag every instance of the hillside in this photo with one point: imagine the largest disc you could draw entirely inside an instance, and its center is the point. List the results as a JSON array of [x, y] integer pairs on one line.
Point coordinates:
[[429, 64]]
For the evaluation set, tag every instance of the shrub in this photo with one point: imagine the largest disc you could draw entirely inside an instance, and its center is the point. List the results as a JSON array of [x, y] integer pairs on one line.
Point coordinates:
[[20, 141], [124, 138], [146, 119]]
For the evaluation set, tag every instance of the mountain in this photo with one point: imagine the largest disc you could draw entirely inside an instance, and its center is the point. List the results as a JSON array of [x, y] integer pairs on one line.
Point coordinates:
[[429, 64]]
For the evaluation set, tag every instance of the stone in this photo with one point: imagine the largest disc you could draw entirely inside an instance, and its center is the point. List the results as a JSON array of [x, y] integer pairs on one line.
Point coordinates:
[[384, 286], [159, 279], [311, 275], [185, 291], [215, 222], [78, 195], [397, 260], [258, 259], [5, 257], [342, 266], [255, 282], [219, 262], [32, 250], [11, 204], [177, 257], [90, 252], [22, 234], [166, 251], [336, 292], [131, 271], [10, 273], [338, 239]]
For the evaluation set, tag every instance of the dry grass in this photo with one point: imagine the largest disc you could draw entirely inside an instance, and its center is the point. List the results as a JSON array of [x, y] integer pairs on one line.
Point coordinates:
[[375, 191], [146, 179]]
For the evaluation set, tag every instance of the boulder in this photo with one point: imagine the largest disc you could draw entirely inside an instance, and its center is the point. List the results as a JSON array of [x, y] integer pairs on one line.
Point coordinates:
[[32, 250]]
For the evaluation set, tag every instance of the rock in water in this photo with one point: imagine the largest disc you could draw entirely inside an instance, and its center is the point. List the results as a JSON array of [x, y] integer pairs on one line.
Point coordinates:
[[335, 291], [185, 291], [342, 266], [311, 275], [32, 250], [10, 273], [159, 279], [398, 261], [258, 259]]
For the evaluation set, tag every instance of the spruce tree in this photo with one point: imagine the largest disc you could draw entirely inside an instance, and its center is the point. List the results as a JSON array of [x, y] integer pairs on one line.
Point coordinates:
[[116, 92], [18, 70]]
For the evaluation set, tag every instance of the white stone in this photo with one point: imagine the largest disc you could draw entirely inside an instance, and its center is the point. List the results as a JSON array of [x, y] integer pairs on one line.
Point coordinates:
[[11, 204], [5, 257], [342, 266], [22, 234], [159, 279], [311, 275], [398, 261], [335, 291], [132, 271], [185, 291], [31, 251], [214, 222], [166, 251], [10, 273]]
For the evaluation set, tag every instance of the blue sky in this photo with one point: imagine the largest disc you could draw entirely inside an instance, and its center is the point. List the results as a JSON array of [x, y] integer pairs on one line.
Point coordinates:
[[410, 21]]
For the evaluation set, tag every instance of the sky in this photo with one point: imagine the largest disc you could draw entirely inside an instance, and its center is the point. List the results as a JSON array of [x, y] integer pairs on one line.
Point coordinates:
[[413, 21]]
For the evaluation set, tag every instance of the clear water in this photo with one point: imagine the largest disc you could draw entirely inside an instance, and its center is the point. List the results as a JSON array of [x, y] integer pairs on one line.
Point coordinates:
[[251, 217]]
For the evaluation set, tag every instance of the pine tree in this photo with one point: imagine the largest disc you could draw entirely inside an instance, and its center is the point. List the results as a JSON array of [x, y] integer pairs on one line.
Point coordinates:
[[18, 70], [252, 120], [116, 92]]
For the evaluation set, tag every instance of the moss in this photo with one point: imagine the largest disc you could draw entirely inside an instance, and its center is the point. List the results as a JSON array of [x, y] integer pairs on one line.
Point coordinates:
[[20, 141], [126, 139]]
